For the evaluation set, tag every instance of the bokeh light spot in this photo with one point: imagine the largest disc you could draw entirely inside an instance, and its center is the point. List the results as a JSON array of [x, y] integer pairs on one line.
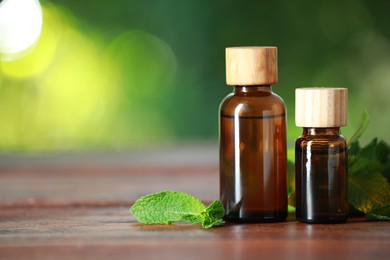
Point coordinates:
[[20, 25], [42, 54], [147, 67], [58, 96]]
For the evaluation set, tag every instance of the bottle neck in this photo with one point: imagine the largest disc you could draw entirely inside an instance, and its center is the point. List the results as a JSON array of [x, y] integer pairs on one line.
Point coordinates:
[[321, 131], [252, 88]]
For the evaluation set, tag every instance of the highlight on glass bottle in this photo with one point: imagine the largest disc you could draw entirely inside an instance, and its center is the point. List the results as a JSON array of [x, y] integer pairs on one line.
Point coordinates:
[[253, 157], [321, 155]]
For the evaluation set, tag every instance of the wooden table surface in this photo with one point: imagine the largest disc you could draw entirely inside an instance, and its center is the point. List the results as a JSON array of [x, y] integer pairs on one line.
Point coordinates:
[[75, 206]]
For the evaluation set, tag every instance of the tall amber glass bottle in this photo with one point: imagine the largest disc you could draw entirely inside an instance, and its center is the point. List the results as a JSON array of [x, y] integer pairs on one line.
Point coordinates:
[[321, 155], [253, 138]]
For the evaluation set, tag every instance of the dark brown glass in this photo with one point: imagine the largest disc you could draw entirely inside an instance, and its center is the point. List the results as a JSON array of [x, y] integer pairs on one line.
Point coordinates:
[[321, 176], [253, 155]]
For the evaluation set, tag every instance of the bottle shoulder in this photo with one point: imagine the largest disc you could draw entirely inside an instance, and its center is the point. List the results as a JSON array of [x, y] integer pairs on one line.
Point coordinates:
[[253, 104], [321, 142]]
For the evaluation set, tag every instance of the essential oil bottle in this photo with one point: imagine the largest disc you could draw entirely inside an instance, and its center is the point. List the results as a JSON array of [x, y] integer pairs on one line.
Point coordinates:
[[321, 155], [252, 136]]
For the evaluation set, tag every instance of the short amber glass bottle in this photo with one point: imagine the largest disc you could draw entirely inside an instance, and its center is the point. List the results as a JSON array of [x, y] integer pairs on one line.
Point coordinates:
[[253, 139], [321, 156]]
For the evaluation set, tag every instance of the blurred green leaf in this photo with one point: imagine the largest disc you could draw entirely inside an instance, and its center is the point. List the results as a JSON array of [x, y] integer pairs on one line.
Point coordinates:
[[368, 186], [291, 183], [380, 214], [368, 191]]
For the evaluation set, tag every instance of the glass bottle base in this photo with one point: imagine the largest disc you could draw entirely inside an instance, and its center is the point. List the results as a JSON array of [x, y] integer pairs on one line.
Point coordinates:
[[324, 220], [262, 217]]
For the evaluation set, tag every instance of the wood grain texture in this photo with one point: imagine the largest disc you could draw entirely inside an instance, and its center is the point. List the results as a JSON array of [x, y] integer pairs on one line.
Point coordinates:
[[251, 66], [80, 212], [321, 107], [111, 232]]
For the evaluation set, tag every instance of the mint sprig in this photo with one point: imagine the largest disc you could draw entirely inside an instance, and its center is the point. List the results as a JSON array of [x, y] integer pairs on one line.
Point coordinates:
[[167, 207], [368, 175], [368, 187]]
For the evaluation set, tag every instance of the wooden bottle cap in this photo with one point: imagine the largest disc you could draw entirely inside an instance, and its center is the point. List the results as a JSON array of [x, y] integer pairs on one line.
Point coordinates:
[[321, 107], [251, 66]]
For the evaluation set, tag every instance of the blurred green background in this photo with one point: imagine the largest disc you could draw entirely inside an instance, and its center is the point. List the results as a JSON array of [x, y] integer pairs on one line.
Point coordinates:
[[129, 73]]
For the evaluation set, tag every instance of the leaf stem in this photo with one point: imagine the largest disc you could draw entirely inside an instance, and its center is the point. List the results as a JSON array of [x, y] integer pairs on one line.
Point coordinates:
[[361, 128]]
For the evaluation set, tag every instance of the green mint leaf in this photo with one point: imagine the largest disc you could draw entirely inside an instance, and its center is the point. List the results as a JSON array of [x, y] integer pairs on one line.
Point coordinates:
[[171, 206], [212, 215], [291, 183], [363, 165], [368, 186], [353, 149], [369, 175], [379, 214], [167, 207], [368, 191], [375, 157], [379, 151], [376, 150], [216, 210]]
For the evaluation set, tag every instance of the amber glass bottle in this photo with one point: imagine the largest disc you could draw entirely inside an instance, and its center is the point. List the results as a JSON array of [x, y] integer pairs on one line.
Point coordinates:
[[253, 139], [321, 156]]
